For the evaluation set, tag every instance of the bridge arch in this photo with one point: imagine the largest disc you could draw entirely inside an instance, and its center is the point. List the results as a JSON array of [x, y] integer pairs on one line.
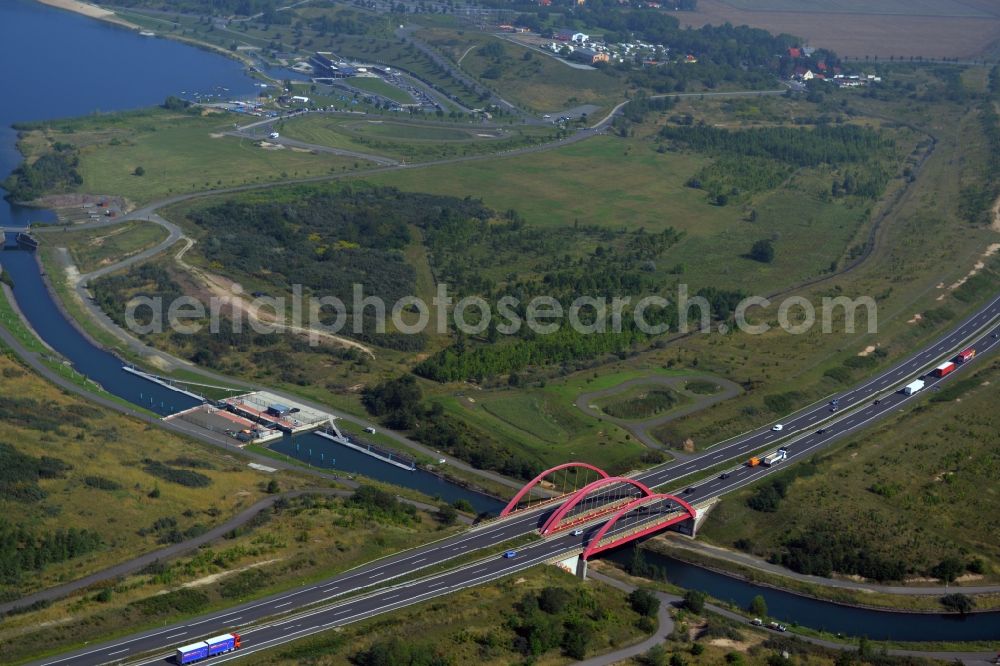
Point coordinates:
[[553, 521], [594, 544], [528, 487]]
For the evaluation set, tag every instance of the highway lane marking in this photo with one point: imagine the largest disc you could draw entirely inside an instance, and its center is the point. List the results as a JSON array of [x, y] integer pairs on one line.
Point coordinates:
[[118, 652], [167, 638], [987, 346], [813, 417], [287, 603], [418, 561], [143, 637]]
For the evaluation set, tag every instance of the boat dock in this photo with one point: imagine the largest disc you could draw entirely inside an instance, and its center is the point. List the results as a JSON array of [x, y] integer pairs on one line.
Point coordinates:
[[276, 412], [215, 419], [162, 382], [332, 432]]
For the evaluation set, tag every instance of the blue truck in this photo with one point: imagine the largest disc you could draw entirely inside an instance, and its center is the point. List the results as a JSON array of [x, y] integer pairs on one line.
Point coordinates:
[[208, 648]]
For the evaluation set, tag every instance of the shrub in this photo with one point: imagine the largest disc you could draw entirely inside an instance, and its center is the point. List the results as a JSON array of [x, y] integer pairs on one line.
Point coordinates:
[[644, 602], [762, 251]]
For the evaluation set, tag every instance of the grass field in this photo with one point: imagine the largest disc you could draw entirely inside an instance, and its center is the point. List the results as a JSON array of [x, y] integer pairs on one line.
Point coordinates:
[[924, 234], [113, 447], [641, 402], [178, 153], [546, 429], [303, 540], [96, 248], [538, 83], [545, 422], [884, 488], [625, 183], [380, 87], [410, 140]]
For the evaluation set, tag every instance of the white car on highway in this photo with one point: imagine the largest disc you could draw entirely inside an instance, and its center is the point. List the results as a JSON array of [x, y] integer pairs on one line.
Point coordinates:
[[777, 427]]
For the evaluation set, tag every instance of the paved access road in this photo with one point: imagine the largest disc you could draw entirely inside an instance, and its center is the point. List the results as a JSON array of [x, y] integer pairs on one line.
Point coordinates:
[[803, 430]]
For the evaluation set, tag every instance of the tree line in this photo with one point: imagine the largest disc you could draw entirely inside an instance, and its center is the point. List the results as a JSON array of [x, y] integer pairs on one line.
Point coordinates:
[[798, 146]]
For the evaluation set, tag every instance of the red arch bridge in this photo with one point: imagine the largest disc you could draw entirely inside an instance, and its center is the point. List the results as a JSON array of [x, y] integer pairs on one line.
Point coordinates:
[[608, 510]]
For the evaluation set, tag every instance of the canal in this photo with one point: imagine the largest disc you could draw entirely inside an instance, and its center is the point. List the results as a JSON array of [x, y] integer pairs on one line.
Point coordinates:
[[791, 608], [88, 66]]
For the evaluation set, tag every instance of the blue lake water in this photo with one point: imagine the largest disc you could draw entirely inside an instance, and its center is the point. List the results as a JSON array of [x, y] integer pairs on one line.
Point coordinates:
[[87, 66]]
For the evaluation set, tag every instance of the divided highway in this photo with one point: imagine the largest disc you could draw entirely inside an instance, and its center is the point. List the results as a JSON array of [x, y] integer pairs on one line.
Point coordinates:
[[803, 433]]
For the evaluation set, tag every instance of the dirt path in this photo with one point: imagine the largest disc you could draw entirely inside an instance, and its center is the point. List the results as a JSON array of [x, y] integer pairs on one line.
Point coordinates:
[[222, 288]]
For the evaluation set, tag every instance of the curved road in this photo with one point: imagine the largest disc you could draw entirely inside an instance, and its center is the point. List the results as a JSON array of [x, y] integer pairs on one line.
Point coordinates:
[[640, 428]]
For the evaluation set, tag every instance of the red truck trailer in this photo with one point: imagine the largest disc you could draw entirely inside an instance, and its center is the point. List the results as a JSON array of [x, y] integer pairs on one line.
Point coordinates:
[[944, 369]]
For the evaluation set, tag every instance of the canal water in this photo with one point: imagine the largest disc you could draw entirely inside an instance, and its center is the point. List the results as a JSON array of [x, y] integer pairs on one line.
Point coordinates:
[[56, 64], [835, 618]]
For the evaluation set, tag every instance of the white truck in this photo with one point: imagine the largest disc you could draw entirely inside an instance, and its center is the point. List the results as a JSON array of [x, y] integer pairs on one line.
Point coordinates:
[[913, 387], [776, 457]]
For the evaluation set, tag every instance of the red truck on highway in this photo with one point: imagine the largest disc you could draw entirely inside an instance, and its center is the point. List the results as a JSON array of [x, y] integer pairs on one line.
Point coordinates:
[[944, 369], [966, 355]]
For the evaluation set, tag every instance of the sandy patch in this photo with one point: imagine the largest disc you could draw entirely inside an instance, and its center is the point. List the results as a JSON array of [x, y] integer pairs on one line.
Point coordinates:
[[730, 644], [88, 10], [978, 266], [267, 145], [208, 580], [917, 317], [221, 287], [85, 8], [217, 135], [301, 150], [867, 350], [995, 226]]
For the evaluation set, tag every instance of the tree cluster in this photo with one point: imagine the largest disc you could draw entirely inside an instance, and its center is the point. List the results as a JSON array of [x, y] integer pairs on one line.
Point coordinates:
[[53, 171], [24, 550]]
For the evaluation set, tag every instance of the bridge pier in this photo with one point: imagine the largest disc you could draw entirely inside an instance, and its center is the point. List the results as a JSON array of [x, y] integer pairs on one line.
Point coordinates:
[[581, 567]]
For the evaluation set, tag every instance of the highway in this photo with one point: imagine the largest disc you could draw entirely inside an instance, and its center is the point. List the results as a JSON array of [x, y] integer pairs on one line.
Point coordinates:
[[804, 433]]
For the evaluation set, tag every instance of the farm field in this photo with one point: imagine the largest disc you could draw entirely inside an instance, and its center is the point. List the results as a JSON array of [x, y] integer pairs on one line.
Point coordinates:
[[177, 152], [856, 29]]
